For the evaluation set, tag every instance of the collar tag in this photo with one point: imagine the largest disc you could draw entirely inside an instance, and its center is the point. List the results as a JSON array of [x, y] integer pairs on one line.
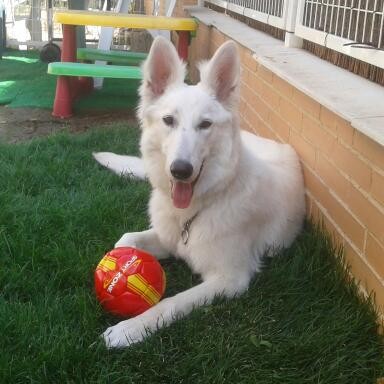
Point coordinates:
[[185, 235], [185, 230]]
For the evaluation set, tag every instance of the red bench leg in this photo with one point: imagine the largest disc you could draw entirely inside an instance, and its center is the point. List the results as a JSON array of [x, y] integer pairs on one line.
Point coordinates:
[[62, 106], [66, 87], [182, 47]]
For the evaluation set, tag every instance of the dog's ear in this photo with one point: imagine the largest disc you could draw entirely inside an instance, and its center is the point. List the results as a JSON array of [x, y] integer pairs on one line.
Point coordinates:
[[221, 74], [162, 69]]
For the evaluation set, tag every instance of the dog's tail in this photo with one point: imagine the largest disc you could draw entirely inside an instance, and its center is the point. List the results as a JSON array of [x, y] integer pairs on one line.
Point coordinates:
[[122, 165]]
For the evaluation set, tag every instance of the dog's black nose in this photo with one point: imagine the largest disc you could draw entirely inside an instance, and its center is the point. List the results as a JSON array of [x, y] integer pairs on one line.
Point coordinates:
[[181, 169]]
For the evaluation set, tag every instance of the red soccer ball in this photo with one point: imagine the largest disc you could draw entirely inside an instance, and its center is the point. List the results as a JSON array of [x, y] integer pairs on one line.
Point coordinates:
[[128, 281]]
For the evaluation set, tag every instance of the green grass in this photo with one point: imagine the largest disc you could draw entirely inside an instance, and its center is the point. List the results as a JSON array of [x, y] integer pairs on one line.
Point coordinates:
[[24, 82], [301, 321]]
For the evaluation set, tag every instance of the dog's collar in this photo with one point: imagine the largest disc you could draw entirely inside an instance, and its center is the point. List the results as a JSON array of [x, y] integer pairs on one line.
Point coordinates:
[[186, 228]]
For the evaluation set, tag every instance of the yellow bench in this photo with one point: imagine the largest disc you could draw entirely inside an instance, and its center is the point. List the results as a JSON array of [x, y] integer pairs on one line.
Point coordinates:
[[69, 87], [118, 20]]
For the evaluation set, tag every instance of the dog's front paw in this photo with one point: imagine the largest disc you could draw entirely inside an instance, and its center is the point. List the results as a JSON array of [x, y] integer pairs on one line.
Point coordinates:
[[128, 240], [124, 334]]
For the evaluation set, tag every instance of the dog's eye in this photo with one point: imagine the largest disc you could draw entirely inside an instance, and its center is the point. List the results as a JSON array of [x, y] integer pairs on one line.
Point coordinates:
[[168, 120], [205, 124]]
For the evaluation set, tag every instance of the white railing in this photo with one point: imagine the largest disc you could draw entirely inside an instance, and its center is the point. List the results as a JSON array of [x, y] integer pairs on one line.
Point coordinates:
[[271, 12], [352, 27]]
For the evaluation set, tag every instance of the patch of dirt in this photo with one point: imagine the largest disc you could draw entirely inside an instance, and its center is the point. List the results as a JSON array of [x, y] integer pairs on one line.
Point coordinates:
[[20, 124]]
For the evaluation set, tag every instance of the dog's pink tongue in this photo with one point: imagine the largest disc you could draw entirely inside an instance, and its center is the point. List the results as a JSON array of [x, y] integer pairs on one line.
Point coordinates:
[[182, 194]]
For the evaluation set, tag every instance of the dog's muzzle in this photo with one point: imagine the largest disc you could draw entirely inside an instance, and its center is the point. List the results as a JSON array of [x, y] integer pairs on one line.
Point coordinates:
[[181, 169], [181, 189]]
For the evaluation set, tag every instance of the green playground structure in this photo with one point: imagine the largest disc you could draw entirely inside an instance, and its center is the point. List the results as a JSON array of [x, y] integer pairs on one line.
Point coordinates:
[[113, 56], [94, 70], [128, 68]]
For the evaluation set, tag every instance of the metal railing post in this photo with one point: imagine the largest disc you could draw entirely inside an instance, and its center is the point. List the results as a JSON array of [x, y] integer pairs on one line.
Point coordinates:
[[291, 40]]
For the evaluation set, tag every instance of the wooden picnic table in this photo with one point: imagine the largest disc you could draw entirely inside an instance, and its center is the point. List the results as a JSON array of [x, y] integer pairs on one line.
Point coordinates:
[[69, 87]]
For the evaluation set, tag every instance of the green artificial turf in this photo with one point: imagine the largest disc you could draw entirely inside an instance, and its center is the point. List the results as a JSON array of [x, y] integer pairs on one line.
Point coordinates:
[[301, 321], [24, 82]]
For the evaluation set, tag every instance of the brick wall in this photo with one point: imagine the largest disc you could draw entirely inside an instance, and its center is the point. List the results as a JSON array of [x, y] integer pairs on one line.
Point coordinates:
[[343, 169]]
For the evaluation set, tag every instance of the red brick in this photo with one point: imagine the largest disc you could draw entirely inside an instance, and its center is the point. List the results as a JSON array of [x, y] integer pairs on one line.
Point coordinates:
[[374, 253], [369, 149], [364, 275], [306, 103], [305, 150], [328, 118], [262, 109], [339, 213], [314, 132], [348, 161], [248, 61], [332, 177], [265, 74], [345, 131], [279, 125], [269, 96], [377, 187], [366, 211], [290, 113], [282, 86], [255, 83]]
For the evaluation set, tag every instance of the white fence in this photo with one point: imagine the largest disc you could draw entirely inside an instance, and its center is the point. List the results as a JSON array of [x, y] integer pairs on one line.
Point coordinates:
[[352, 27], [28, 21], [271, 12]]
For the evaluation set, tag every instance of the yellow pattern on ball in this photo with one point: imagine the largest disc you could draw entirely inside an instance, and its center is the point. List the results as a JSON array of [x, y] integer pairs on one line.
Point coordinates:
[[142, 287]]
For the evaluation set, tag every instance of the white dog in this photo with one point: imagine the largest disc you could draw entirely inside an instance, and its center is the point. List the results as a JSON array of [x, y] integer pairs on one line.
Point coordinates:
[[221, 198]]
